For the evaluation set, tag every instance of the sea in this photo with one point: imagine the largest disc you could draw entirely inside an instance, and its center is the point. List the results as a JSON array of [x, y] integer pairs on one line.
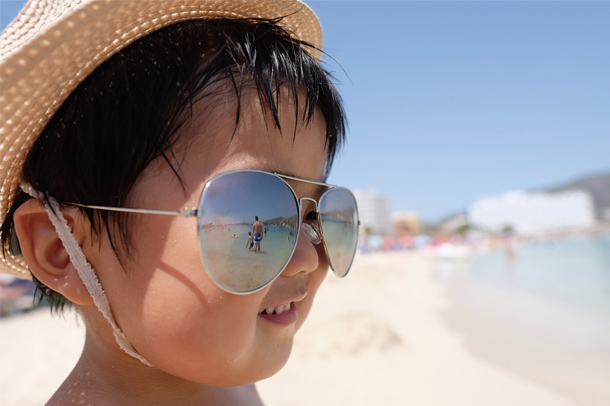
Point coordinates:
[[573, 270], [541, 310]]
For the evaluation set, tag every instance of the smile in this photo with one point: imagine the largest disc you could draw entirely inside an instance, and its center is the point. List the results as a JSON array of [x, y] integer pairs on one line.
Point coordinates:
[[276, 310], [285, 314]]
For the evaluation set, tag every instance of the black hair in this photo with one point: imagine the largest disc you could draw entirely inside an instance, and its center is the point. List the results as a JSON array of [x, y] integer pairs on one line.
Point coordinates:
[[126, 113]]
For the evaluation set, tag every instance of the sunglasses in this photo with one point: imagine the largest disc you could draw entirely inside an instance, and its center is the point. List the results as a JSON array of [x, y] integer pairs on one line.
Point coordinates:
[[249, 222]]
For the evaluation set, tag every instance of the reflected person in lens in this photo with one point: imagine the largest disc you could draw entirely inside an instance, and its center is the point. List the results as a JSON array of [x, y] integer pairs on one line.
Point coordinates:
[[257, 230]]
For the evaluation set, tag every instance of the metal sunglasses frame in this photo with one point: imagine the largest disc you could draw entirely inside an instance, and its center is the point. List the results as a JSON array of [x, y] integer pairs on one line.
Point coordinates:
[[194, 212]]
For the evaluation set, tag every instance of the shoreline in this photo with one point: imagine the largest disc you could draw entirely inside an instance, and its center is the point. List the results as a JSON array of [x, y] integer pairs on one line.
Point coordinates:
[[415, 355], [555, 343]]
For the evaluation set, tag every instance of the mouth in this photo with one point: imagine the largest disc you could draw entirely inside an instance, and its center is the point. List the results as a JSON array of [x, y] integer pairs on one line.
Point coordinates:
[[276, 309], [281, 314]]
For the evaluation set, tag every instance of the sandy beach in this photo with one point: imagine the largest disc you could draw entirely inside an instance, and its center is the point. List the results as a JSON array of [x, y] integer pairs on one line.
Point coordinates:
[[402, 329]]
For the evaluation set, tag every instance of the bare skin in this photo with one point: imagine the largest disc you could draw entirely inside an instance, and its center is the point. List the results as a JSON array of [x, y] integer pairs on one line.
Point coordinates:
[[207, 346], [250, 241]]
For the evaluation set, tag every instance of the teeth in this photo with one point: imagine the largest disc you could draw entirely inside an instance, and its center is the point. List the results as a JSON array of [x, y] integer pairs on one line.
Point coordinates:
[[277, 310]]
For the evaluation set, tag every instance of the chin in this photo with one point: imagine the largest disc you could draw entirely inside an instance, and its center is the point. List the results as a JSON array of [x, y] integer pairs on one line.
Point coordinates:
[[262, 365], [258, 371]]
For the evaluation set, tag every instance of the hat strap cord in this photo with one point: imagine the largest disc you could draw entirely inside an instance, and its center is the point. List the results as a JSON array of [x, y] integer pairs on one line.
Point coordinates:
[[85, 271], [88, 276]]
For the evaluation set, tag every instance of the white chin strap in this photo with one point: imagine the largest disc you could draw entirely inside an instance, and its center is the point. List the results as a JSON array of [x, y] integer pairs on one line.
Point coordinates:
[[85, 271]]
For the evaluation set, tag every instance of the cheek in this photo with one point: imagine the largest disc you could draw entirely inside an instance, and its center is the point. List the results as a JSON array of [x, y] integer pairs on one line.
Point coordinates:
[[191, 329], [172, 312], [317, 277], [182, 303], [314, 281], [215, 330]]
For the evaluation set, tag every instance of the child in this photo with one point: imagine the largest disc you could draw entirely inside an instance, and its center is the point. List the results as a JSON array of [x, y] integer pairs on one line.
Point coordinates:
[[250, 242], [132, 133]]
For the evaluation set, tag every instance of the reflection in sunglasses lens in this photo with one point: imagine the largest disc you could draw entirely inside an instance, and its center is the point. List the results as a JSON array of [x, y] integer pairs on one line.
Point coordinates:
[[339, 220], [239, 252]]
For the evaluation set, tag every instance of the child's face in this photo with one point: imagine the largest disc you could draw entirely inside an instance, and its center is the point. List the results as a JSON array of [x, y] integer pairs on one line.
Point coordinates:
[[164, 301]]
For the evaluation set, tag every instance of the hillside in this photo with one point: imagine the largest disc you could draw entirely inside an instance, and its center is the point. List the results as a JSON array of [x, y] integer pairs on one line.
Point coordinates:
[[597, 185]]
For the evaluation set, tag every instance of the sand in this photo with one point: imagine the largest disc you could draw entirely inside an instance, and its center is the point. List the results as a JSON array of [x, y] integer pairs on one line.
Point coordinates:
[[393, 333], [401, 329]]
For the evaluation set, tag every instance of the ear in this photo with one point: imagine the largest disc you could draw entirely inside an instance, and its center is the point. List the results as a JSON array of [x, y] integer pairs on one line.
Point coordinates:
[[44, 252]]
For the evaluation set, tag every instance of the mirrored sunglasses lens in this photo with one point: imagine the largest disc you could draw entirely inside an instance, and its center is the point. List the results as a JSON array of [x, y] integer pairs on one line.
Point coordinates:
[[242, 254], [339, 221]]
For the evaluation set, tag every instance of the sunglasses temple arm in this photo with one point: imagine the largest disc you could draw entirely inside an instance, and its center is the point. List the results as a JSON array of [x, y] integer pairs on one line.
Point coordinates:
[[187, 212]]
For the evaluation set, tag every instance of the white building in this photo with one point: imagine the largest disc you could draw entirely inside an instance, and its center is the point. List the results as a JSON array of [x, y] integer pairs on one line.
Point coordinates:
[[374, 212], [529, 213]]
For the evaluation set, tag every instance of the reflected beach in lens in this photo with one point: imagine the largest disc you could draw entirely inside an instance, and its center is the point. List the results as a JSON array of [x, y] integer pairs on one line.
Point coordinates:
[[231, 204], [339, 220]]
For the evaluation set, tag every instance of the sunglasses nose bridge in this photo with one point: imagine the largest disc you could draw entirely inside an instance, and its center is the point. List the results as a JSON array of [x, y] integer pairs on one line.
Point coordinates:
[[302, 199], [311, 231]]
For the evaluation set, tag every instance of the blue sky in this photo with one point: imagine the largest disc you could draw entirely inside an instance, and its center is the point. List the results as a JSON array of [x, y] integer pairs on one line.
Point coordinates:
[[451, 100]]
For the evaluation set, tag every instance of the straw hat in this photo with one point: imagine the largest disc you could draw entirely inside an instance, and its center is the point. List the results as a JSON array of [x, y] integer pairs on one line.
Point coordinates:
[[54, 44]]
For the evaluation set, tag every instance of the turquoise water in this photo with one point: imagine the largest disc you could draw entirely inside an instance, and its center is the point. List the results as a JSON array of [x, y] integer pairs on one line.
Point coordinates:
[[575, 270], [231, 262]]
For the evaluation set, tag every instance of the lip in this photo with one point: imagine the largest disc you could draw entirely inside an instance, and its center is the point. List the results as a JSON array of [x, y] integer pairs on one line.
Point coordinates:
[[289, 316]]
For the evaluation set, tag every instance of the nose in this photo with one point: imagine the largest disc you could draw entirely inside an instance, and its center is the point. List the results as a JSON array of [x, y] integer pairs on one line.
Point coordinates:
[[305, 259]]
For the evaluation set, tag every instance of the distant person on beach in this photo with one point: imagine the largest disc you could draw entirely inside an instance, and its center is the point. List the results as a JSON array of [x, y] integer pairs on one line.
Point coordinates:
[[128, 125], [257, 230], [250, 242]]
